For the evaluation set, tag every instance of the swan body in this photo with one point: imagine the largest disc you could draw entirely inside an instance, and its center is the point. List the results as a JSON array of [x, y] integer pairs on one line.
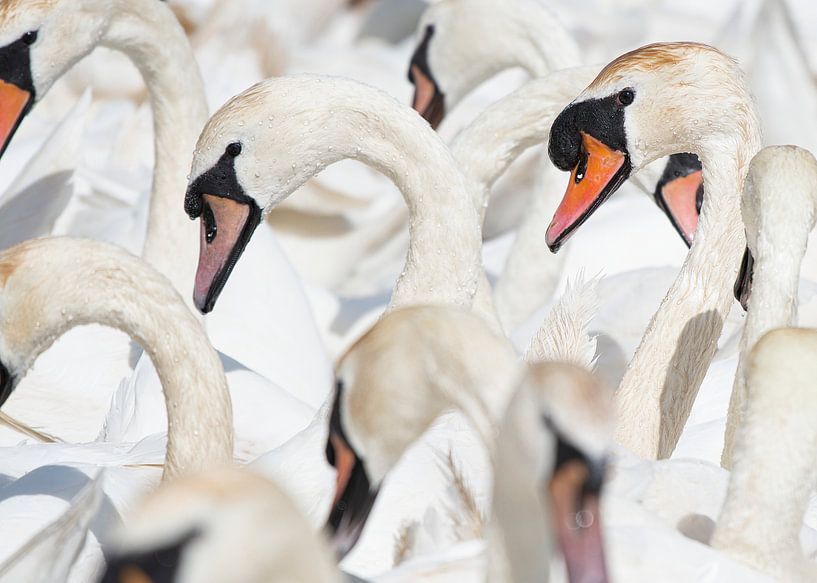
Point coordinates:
[[633, 93], [780, 189]]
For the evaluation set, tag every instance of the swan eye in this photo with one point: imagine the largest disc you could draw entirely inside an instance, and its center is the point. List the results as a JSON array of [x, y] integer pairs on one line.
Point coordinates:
[[234, 149], [625, 97], [210, 226], [30, 37]]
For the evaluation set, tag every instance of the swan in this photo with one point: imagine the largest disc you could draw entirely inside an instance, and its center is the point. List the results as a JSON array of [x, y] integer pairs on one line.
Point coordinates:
[[779, 208], [365, 443], [761, 518], [657, 100], [553, 440], [149, 34], [266, 142], [526, 34], [225, 525], [41, 301], [43, 40]]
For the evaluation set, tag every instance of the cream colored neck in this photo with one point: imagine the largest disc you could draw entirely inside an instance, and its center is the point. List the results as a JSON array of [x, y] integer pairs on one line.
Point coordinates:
[[661, 383], [149, 34], [88, 282], [773, 467], [774, 291]]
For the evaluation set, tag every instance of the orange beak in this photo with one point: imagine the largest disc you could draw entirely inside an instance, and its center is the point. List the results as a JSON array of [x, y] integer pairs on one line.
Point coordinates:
[[679, 199], [14, 104], [599, 173]]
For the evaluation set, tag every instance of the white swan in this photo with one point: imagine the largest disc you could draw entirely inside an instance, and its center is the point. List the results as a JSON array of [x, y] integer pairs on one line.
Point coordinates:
[[225, 525], [550, 447], [449, 30], [655, 101], [41, 301], [43, 40], [779, 208], [762, 516], [265, 143], [379, 384]]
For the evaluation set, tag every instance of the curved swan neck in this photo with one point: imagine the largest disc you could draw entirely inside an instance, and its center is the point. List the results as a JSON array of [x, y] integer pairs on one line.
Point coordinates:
[[302, 124], [61, 283], [515, 123], [774, 453], [149, 34], [662, 380], [781, 189]]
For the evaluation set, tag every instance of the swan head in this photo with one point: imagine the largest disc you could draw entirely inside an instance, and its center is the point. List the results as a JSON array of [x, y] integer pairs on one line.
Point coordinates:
[[465, 42], [680, 194], [653, 102], [39, 41], [228, 525], [553, 444], [780, 189]]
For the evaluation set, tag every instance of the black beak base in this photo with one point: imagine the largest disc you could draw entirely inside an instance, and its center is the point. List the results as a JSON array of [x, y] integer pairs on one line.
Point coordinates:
[[6, 384], [743, 285]]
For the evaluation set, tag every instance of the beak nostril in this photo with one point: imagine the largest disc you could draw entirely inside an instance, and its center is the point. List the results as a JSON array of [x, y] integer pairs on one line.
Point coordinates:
[[210, 225], [581, 168]]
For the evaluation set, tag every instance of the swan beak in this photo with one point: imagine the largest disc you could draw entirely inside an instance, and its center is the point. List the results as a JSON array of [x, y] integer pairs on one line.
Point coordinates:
[[428, 101], [681, 200], [226, 227], [574, 492], [353, 500], [598, 174], [743, 285], [15, 103], [6, 384]]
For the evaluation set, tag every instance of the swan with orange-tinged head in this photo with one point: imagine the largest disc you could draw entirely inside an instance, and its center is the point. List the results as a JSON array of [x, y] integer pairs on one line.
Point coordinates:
[[651, 102]]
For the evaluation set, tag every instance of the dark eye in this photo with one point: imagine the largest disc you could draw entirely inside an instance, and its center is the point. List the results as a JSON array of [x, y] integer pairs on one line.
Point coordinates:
[[234, 149], [626, 97], [30, 37]]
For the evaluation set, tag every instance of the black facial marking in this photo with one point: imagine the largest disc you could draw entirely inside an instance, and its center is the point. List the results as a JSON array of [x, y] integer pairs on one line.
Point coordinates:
[[6, 384], [160, 565], [15, 63], [743, 284], [601, 118], [220, 180], [435, 111], [420, 57], [335, 425], [567, 452]]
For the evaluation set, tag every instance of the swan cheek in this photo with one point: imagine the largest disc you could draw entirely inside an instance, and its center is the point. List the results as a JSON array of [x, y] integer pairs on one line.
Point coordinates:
[[598, 174], [15, 103], [679, 200], [226, 228]]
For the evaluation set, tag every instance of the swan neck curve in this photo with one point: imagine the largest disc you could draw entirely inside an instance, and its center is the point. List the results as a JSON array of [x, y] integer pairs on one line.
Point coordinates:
[[149, 34]]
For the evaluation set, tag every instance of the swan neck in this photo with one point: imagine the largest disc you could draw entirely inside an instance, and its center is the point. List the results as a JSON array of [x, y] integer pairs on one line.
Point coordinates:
[[120, 291], [149, 34], [661, 382]]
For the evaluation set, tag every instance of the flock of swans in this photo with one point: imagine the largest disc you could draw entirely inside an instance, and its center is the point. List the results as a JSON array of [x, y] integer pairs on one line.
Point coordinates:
[[268, 312]]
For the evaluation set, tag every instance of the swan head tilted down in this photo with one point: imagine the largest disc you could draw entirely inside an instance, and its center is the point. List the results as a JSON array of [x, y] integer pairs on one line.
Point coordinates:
[[396, 381], [652, 102]]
